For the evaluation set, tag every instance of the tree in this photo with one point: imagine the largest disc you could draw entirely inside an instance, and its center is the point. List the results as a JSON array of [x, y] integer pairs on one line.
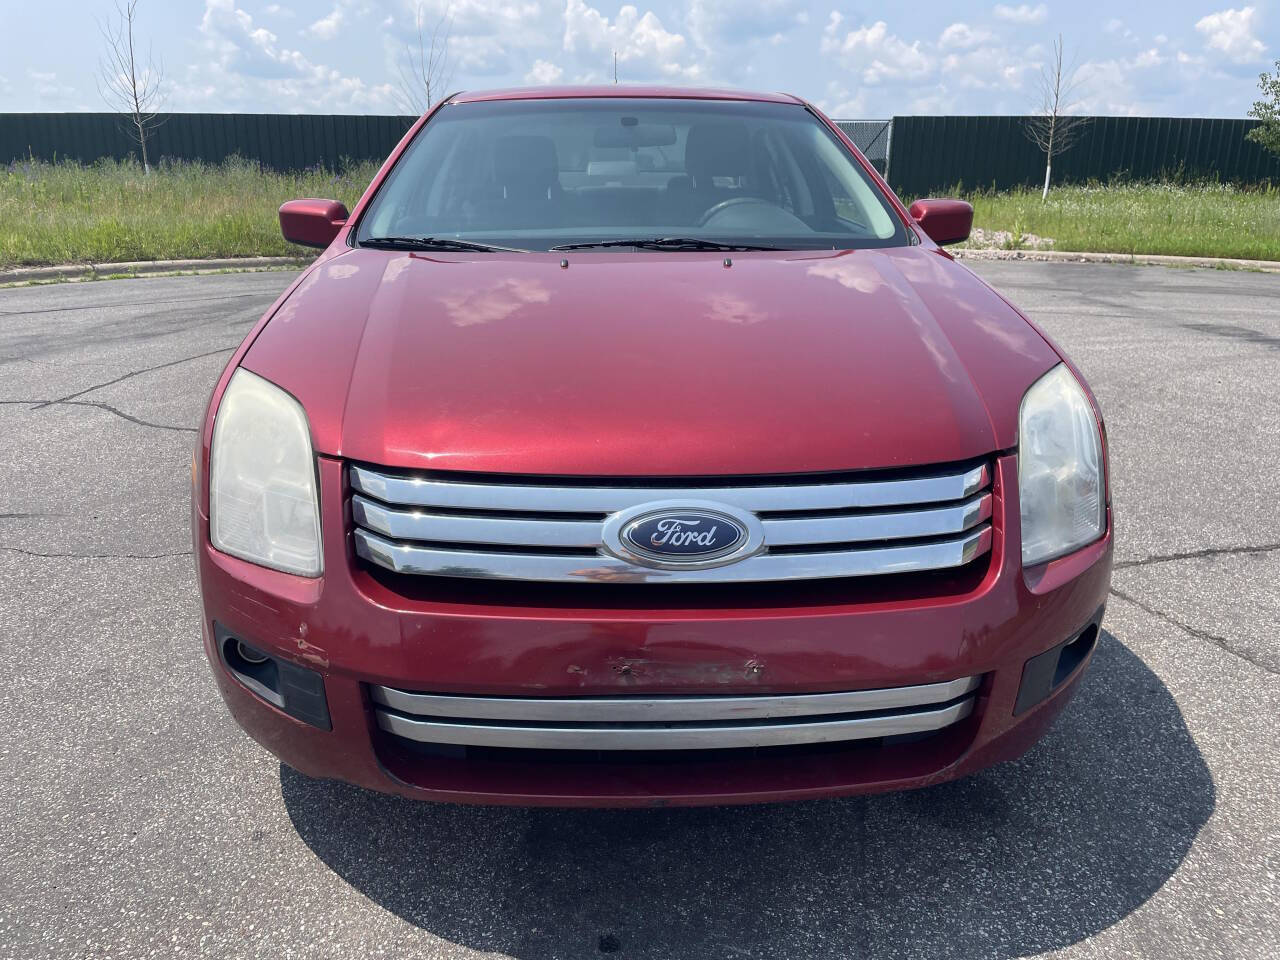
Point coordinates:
[[1267, 133], [1054, 128], [427, 68], [129, 85]]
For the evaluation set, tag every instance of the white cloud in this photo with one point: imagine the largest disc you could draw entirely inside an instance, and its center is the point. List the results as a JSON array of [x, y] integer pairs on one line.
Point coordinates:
[[714, 24], [645, 48], [282, 55], [939, 102], [487, 38], [737, 43], [327, 28], [930, 77], [878, 54], [961, 36], [1231, 32], [1022, 13], [1148, 58], [543, 72], [1106, 87], [248, 65], [49, 90], [990, 67], [1127, 86], [841, 103]]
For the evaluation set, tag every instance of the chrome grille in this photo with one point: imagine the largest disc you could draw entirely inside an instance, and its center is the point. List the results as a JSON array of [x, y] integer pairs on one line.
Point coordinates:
[[671, 723], [931, 520]]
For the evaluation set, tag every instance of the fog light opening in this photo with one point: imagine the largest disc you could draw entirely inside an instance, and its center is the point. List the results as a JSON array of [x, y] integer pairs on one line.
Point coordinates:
[[254, 669], [1073, 654], [1042, 675], [297, 691], [250, 655]]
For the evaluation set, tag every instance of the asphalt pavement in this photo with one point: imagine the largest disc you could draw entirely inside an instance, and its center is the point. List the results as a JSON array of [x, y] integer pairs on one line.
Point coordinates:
[[138, 821]]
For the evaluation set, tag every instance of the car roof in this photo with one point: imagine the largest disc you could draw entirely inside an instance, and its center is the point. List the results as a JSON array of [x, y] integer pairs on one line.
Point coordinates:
[[620, 90]]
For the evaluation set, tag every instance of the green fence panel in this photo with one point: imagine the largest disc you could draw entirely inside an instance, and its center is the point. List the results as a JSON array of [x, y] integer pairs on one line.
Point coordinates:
[[278, 141], [931, 155]]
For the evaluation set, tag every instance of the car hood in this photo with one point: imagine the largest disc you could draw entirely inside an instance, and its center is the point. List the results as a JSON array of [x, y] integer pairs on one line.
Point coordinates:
[[653, 364]]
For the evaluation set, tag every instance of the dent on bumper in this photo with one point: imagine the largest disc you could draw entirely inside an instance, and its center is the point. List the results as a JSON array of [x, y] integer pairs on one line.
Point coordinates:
[[357, 636]]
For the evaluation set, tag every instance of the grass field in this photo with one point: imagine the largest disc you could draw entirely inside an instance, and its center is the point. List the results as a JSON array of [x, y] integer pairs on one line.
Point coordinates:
[[1185, 220], [66, 213]]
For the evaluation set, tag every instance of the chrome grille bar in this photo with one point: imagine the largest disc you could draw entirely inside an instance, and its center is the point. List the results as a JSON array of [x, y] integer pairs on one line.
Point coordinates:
[[669, 709], [935, 555], [671, 723], [673, 738], [449, 528], [415, 491]]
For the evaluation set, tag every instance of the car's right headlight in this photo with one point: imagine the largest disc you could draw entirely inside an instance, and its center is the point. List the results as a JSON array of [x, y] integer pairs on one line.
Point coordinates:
[[263, 505], [1060, 482]]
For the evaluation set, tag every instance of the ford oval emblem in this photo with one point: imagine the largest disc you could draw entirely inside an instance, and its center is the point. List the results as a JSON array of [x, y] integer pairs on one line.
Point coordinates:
[[688, 535], [683, 534]]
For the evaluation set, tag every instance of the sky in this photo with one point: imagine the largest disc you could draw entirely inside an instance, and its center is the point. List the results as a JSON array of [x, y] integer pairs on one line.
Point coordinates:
[[861, 60]]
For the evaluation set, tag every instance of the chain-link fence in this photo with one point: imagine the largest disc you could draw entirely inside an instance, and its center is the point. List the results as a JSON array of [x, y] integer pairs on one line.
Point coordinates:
[[872, 138]]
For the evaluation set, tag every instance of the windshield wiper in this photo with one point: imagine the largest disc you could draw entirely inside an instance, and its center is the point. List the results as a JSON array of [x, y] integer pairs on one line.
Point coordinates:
[[666, 243], [435, 243]]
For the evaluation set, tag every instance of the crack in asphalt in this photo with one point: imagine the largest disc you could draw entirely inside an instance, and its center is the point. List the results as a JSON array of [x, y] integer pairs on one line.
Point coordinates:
[[1198, 555], [40, 404], [22, 551], [134, 373], [1222, 643], [127, 416]]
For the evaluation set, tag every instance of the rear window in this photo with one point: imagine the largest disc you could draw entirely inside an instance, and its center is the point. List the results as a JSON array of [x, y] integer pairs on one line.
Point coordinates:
[[537, 173]]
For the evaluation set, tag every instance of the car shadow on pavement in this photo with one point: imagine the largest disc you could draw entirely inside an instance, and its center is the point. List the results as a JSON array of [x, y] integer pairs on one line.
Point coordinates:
[[1023, 858]]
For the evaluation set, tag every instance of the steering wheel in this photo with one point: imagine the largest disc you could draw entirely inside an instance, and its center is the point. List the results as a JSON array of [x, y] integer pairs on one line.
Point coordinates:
[[732, 202]]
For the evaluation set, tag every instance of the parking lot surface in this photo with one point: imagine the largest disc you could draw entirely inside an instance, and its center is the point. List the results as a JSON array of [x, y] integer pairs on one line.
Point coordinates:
[[139, 821]]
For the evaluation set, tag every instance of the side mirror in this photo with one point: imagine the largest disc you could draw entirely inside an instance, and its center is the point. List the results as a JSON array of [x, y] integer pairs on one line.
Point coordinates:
[[312, 223], [945, 221]]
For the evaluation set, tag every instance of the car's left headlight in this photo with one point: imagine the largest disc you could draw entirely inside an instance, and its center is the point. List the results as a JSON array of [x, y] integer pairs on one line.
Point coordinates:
[[262, 478], [1060, 482]]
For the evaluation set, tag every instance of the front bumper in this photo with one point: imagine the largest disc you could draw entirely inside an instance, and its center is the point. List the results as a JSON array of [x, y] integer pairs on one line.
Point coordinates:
[[357, 634]]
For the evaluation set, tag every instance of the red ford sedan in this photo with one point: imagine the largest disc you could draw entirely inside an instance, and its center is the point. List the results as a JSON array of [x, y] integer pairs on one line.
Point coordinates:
[[636, 446]]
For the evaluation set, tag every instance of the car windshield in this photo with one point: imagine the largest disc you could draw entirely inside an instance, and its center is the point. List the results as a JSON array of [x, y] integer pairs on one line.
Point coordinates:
[[537, 174]]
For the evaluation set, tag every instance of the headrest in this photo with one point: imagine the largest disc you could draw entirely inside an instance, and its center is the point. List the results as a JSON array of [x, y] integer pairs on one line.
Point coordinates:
[[720, 149], [526, 162]]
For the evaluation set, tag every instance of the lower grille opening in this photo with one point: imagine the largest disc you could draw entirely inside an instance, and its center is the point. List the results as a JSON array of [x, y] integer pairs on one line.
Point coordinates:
[[589, 758], [393, 588], [728, 775]]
